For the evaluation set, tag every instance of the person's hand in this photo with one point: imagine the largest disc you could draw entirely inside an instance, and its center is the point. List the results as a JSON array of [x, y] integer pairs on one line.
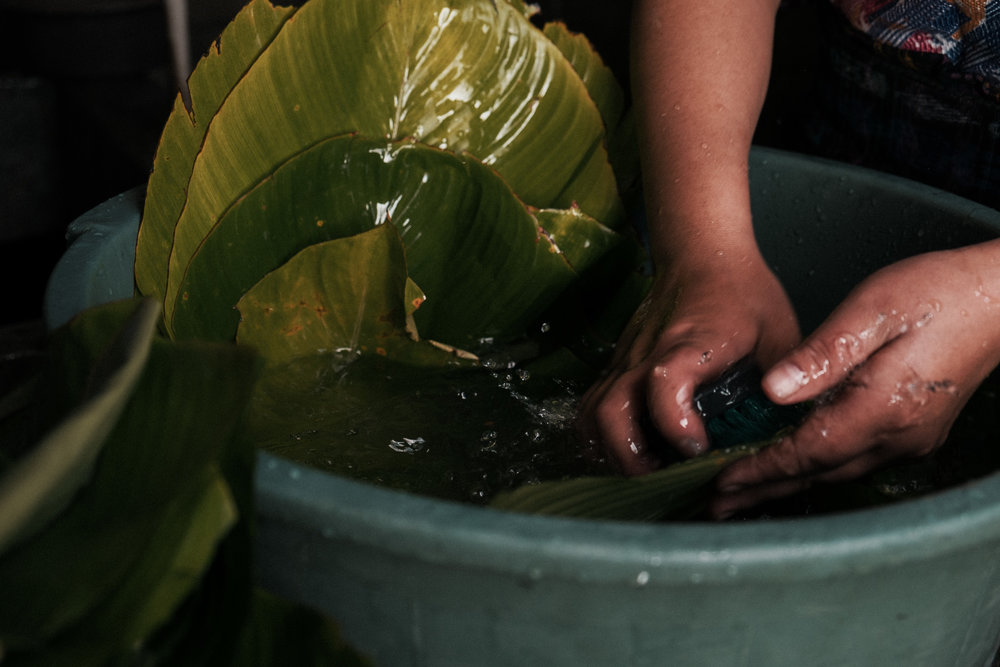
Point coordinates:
[[692, 326], [890, 369]]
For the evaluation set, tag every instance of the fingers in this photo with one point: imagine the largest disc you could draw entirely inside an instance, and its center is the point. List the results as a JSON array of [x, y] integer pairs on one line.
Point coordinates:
[[868, 423], [612, 413], [635, 411], [670, 393], [852, 334]]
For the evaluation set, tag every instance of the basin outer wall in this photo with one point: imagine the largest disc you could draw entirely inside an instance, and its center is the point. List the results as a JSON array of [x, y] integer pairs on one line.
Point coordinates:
[[421, 582]]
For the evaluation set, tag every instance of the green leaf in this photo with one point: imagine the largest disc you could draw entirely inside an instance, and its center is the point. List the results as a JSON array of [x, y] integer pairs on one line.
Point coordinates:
[[281, 633], [607, 94], [456, 217], [43, 482], [671, 493], [584, 240], [466, 75], [180, 420], [346, 296], [237, 48], [172, 564]]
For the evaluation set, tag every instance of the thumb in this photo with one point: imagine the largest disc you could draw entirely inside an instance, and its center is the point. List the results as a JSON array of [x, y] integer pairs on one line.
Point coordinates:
[[826, 358]]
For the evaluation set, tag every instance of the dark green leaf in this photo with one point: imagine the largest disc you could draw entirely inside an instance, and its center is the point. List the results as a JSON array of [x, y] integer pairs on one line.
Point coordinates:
[[43, 482], [179, 422]]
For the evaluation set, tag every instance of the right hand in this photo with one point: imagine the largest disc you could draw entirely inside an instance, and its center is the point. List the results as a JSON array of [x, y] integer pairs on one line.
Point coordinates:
[[693, 325]]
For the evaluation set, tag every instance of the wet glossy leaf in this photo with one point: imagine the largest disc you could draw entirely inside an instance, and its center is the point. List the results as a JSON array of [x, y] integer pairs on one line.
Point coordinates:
[[584, 240], [455, 216], [470, 76], [237, 48]]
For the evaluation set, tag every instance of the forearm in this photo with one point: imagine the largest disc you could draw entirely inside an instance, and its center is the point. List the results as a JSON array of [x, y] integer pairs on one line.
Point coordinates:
[[700, 75]]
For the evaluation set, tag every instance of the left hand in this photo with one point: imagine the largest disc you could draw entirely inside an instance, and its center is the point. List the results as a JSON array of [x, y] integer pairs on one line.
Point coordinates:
[[899, 357]]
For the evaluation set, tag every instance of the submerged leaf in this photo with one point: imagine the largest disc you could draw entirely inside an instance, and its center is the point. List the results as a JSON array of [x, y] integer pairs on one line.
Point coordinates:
[[455, 432], [476, 77], [671, 493]]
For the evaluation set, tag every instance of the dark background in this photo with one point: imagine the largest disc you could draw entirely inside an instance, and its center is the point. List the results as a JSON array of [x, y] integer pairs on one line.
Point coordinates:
[[85, 88]]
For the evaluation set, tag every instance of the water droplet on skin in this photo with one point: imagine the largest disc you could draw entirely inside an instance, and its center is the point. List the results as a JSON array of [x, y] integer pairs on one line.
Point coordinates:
[[706, 357]]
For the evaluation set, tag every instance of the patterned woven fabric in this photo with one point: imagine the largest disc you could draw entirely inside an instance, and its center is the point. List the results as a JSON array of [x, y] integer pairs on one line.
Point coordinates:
[[906, 112], [965, 32]]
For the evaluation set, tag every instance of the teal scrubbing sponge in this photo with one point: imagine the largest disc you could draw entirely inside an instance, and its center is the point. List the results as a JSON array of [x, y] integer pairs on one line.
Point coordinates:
[[736, 410]]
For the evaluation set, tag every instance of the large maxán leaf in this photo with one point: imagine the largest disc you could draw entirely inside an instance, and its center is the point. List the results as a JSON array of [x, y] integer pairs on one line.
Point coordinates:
[[466, 75], [238, 47], [455, 217]]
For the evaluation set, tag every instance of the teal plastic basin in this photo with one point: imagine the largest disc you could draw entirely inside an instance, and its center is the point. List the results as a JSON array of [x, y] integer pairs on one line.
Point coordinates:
[[421, 582]]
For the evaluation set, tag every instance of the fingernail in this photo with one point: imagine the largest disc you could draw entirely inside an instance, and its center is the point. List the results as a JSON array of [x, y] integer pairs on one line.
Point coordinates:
[[730, 489], [785, 379], [693, 446]]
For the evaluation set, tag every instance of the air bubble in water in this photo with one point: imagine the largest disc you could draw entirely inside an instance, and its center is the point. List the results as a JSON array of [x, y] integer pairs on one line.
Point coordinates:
[[407, 445]]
